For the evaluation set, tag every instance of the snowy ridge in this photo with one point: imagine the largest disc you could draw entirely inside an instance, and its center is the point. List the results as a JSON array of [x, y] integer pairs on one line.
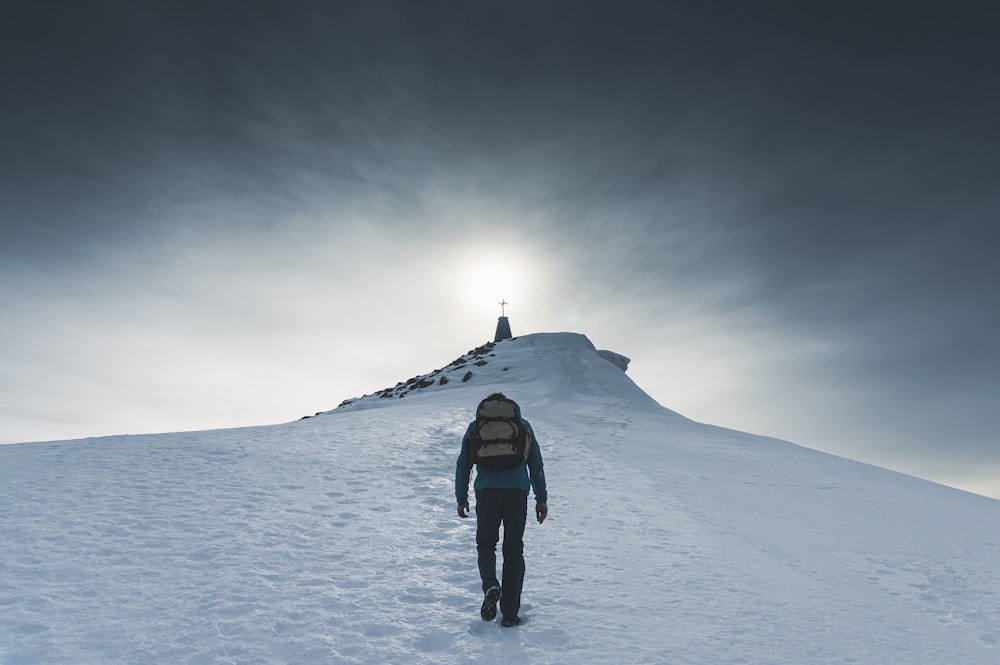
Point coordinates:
[[334, 540], [536, 364]]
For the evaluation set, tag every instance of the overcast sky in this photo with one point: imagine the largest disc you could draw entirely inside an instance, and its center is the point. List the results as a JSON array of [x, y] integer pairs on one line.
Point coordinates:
[[220, 214]]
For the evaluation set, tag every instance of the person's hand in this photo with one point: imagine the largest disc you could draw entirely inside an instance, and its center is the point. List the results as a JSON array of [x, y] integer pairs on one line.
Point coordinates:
[[463, 509], [541, 512]]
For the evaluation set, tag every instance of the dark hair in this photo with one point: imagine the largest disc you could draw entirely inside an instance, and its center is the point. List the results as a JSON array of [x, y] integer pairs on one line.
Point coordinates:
[[497, 396]]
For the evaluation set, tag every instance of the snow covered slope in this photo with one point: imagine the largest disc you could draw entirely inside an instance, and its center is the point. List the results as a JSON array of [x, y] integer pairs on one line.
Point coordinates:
[[334, 539]]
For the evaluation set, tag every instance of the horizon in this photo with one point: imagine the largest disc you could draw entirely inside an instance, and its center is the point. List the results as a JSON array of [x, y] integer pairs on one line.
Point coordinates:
[[401, 389]]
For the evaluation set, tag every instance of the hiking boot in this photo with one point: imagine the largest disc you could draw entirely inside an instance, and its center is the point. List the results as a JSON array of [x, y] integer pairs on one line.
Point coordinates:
[[489, 609], [508, 622]]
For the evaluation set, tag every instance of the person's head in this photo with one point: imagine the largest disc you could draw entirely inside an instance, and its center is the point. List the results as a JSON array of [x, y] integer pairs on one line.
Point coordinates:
[[497, 396]]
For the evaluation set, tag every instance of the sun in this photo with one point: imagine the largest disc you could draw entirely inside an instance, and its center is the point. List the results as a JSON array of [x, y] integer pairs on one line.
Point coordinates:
[[492, 276]]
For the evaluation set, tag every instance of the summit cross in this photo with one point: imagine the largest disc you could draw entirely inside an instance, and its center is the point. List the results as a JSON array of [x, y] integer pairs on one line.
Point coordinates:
[[503, 304]]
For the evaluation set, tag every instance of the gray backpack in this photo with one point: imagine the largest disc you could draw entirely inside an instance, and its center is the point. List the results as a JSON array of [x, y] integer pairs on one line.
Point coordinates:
[[499, 440]]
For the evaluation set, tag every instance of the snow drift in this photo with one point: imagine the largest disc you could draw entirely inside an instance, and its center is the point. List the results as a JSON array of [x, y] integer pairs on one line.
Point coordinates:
[[333, 539]]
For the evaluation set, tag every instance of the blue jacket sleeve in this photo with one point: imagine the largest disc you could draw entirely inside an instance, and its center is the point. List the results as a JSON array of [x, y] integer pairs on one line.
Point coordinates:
[[536, 469], [463, 470]]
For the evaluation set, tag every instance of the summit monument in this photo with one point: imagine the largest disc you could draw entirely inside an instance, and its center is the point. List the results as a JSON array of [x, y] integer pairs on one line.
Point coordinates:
[[503, 325]]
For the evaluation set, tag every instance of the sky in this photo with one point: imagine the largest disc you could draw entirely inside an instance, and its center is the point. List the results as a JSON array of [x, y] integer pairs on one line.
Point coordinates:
[[219, 214]]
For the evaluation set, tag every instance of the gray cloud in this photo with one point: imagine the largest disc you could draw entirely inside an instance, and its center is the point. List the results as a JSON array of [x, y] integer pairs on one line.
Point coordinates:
[[791, 206]]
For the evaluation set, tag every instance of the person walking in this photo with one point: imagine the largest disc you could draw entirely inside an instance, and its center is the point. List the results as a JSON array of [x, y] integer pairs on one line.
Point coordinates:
[[502, 446]]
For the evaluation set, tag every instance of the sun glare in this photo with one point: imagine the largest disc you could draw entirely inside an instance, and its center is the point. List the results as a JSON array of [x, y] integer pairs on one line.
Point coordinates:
[[492, 277]]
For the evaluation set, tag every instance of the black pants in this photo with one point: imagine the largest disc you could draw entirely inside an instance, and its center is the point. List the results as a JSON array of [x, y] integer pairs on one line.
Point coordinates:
[[510, 507]]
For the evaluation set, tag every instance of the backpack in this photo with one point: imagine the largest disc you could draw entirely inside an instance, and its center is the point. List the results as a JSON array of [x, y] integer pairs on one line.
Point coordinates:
[[498, 440]]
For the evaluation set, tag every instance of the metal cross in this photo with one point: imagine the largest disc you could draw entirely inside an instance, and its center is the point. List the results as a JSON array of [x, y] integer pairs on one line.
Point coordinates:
[[503, 303]]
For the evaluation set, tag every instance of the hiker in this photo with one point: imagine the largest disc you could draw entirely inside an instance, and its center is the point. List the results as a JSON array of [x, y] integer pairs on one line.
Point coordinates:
[[503, 447]]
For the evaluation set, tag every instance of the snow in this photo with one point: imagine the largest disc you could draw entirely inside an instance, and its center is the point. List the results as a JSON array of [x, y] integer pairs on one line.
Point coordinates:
[[334, 539]]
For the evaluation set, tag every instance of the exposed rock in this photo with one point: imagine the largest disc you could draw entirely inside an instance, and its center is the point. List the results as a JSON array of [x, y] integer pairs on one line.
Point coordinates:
[[476, 356]]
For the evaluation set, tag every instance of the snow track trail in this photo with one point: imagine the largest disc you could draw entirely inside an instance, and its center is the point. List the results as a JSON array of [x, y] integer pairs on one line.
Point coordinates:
[[335, 540]]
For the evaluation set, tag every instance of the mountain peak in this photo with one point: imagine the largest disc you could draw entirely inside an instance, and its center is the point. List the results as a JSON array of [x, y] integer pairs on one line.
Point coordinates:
[[537, 365]]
